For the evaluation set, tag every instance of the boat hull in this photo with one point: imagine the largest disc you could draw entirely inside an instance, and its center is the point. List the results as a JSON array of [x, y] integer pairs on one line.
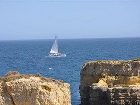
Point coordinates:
[[57, 55]]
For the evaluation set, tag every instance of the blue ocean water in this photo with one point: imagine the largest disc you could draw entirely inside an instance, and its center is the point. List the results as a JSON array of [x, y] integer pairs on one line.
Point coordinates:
[[30, 57]]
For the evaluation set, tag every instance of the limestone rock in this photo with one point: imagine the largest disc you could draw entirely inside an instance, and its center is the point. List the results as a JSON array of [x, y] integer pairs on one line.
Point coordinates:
[[17, 89], [99, 77], [102, 83]]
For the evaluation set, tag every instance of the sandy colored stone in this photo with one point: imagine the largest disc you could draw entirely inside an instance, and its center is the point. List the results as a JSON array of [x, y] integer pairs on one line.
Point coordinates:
[[17, 89], [97, 75], [102, 83]]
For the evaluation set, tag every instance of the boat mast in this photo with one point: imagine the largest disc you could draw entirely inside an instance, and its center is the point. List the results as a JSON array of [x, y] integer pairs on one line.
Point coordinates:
[[54, 48]]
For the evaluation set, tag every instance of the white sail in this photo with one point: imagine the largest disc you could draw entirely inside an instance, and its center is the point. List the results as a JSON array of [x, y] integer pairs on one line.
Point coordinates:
[[54, 48]]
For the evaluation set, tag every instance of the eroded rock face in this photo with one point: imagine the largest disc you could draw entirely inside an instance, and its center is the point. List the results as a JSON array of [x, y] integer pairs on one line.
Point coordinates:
[[17, 89], [99, 78]]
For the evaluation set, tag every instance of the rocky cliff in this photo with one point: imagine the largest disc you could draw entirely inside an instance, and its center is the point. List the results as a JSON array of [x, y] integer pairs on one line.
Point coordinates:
[[19, 89], [110, 82]]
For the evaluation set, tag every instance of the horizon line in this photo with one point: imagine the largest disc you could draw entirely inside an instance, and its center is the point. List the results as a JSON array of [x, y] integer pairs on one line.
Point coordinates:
[[68, 38]]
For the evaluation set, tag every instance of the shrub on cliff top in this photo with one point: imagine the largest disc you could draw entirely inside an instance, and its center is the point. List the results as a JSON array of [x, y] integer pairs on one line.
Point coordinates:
[[136, 59]]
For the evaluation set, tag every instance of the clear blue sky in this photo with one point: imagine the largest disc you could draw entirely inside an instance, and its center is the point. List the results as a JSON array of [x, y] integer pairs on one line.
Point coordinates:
[[42, 19]]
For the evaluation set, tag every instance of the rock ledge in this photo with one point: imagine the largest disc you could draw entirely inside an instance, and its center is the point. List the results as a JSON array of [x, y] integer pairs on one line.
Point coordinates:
[[20, 89], [110, 82]]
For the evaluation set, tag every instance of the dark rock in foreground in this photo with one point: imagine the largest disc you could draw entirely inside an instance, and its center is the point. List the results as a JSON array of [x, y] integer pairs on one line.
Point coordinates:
[[110, 83]]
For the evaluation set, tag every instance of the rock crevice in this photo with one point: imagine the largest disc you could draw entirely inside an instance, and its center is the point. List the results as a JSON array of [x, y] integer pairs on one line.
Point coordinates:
[[6, 90]]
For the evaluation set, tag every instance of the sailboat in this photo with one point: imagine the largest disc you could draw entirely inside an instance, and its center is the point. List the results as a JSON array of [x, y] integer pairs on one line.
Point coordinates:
[[54, 52]]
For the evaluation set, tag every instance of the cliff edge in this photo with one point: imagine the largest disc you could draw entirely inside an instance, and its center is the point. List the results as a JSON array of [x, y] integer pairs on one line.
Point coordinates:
[[20, 89], [110, 82]]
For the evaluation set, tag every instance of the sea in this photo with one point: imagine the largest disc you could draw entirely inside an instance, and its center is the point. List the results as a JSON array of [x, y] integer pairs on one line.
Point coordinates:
[[31, 57]]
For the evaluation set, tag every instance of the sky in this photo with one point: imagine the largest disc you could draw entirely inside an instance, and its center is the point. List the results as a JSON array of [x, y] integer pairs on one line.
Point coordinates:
[[43, 19]]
